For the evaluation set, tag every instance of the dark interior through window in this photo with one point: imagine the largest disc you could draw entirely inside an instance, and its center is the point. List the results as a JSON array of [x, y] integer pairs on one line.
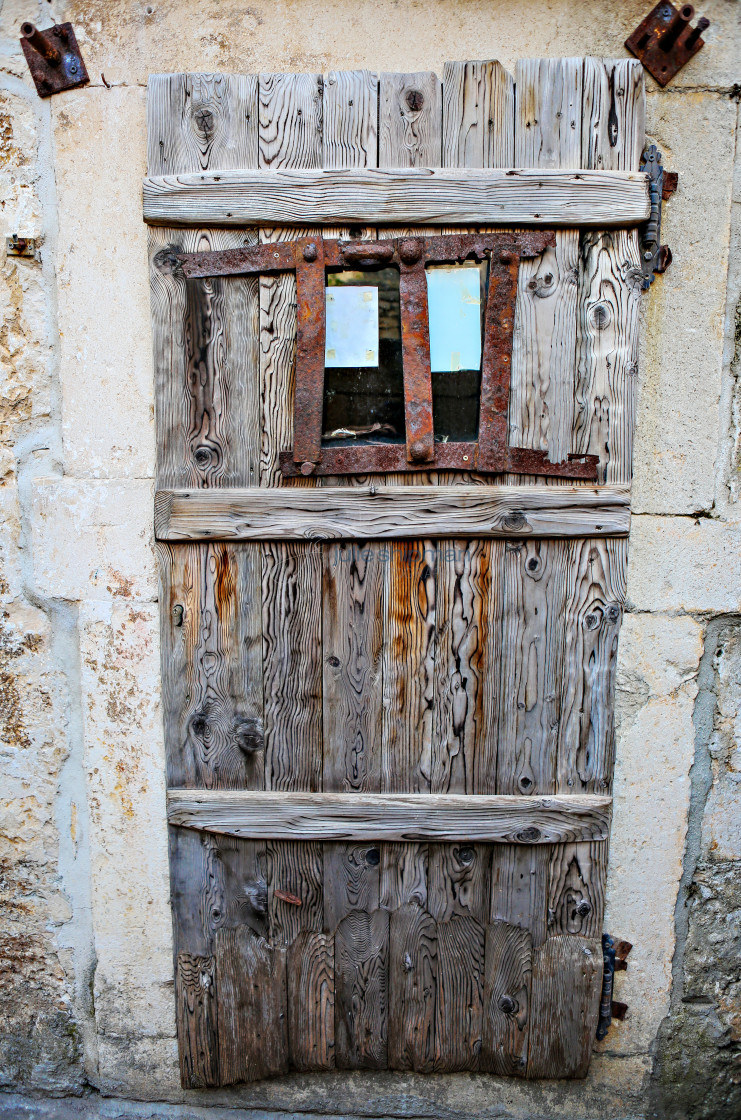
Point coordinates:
[[364, 403]]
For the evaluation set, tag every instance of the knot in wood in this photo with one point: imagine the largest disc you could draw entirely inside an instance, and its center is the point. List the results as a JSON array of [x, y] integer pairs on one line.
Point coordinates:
[[466, 856], [529, 836], [373, 857], [514, 520], [584, 908], [248, 734], [204, 119], [415, 99], [508, 1005]]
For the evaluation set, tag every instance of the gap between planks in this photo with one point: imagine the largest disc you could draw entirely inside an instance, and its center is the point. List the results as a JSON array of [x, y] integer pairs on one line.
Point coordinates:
[[500, 818], [388, 512]]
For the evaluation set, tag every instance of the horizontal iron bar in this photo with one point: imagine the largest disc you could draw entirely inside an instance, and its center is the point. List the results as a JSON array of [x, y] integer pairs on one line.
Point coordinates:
[[502, 819], [427, 196], [391, 512]]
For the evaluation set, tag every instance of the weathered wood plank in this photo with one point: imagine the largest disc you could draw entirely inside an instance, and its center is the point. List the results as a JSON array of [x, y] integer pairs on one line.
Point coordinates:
[[594, 602], [409, 134], [458, 881], [534, 588], [392, 816], [197, 1020], [613, 114], [310, 974], [564, 1006], [576, 888], [361, 990], [478, 111], [423, 194], [336, 513], [212, 689], [508, 970], [519, 888], [295, 889], [460, 994], [352, 880], [253, 1036], [412, 989]]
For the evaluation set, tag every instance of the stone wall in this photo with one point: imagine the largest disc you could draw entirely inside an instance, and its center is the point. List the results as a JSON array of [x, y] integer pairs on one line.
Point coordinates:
[[85, 942]]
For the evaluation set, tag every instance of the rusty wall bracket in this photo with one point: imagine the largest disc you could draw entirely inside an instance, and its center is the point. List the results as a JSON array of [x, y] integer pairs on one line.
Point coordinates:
[[53, 58], [614, 955], [664, 40], [655, 257], [309, 257]]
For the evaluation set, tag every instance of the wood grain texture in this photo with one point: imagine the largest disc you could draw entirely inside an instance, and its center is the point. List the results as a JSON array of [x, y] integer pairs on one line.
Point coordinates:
[[458, 880], [566, 983], [410, 107], [613, 114], [350, 126], [421, 195], [594, 603], [391, 816], [295, 888], [352, 880], [351, 658], [361, 990], [534, 588], [390, 512], [519, 888], [200, 121], [197, 1020], [408, 666], [412, 989], [292, 584], [460, 993], [310, 974], [508, 973], [253, 1036], [478, 114], [576, 889], [212, 689]]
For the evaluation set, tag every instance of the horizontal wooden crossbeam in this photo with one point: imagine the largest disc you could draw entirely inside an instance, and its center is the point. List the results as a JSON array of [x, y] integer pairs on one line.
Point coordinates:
[[499, 819], [399, 197], [387, 512]]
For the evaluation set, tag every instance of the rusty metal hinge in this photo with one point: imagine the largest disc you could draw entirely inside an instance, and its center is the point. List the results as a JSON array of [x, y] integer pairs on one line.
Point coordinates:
[[664, 40], [614, 955], [53, 58], [655, 257]]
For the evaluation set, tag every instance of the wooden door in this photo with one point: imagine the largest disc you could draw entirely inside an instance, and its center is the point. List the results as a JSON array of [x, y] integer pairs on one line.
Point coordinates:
[[389, 760]]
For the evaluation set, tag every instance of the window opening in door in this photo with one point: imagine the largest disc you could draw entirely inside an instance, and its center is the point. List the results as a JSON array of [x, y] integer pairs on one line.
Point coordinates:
[[456, 297], [363, 373]]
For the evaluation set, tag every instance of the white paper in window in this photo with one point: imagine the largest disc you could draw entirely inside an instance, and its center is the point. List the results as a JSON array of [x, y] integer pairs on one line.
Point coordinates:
[[352, 327], [454, 298]]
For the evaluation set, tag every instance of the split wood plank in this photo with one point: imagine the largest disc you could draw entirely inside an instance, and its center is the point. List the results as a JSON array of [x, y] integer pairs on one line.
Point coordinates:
[[564, 1007], [197, 1020], [310, 973], [393, 816], [508, 973], [289, 137], [337, 513], [397, 196], [362, 990]]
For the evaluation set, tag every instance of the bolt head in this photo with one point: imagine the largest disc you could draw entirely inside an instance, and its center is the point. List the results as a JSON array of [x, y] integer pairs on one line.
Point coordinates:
[[308, 468], [410, 250], [310, 252]]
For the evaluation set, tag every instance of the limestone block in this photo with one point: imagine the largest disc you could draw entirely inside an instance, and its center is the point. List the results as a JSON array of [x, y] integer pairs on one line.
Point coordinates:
[[677, 423], [93, 539], [106, 356], [656, 687], [18, 167], [124, 760], [684, 564], [128, 42]]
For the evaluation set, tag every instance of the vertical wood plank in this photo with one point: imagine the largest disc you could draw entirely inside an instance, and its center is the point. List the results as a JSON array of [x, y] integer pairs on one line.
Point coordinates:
[[478, 110], [410, 119], [576, 888], [253, 1036], [352, 880], [533, 600], [413, 989], [361, 990], [197, 1021], [508, 971], [460, 995], [566, 986], [207, 407], [310, 974], [519, 887], [458, 881]]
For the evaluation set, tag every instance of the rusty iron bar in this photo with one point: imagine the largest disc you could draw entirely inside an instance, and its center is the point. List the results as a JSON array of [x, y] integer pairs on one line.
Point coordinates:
[[310, 343], [310, 257], [415, 345], [380, 458], [40, 44], [680, 21]]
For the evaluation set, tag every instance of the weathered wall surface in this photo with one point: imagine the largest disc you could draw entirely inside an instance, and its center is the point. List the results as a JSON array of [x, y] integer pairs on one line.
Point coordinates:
[[85, 942]]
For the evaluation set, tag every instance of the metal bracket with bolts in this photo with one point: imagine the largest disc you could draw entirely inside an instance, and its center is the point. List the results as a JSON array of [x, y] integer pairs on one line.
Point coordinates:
[[53, 58]]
